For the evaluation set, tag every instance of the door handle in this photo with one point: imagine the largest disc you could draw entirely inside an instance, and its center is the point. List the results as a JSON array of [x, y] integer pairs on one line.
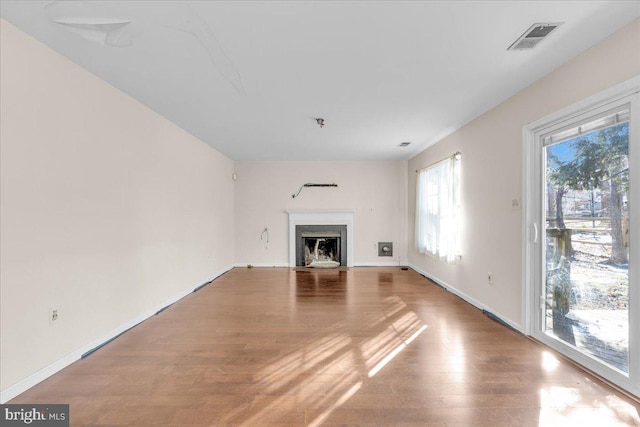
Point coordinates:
[[535, 232]]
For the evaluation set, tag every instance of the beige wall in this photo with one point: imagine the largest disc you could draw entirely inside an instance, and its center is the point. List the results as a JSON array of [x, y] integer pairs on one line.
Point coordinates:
[[108, 210], [492, 172], [375, 190]]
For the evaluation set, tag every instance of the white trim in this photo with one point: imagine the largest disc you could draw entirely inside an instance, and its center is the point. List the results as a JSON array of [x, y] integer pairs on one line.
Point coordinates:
[[44, 373], [355, 264], [601, 99], [467, 298], [530, 199], [260, 264], [524, 231], [320, 217], [380, 264]]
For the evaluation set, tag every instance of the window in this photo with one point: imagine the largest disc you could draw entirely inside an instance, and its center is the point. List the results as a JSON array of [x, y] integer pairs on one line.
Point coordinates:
[[438, 209]]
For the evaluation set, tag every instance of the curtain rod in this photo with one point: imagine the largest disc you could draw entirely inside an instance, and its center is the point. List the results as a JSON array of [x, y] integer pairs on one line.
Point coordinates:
[[457, 153]]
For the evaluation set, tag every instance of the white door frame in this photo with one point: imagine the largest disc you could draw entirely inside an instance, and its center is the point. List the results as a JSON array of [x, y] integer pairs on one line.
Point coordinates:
[[533, 225]]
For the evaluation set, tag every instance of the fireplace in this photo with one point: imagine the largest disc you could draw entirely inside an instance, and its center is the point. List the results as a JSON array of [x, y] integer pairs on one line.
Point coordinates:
[[323, 238], [321, 246]]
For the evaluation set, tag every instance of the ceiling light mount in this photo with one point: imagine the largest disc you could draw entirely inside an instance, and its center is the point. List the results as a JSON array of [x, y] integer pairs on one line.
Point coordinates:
[[320, 122]]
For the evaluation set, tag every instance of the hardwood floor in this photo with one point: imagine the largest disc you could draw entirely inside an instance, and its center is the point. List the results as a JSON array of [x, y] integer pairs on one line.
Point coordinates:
[[364, 347]]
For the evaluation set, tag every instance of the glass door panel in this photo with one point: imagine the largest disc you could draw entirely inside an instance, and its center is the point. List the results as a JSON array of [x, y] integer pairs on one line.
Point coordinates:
[[586, 252]]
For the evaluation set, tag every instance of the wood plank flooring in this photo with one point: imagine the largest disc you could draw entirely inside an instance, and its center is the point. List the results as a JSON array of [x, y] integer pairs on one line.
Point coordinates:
[[364, 347]]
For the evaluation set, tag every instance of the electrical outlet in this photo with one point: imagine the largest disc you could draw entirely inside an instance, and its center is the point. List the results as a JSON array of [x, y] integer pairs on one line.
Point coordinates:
[[490, 278], [53, 316]]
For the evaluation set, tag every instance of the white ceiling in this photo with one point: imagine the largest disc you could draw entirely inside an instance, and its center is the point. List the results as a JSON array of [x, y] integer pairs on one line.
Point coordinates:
[[250, 77]]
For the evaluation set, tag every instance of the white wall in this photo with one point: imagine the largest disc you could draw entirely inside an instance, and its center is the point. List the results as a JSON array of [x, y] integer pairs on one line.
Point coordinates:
[[108, 210], [491, 149], [376, 190]]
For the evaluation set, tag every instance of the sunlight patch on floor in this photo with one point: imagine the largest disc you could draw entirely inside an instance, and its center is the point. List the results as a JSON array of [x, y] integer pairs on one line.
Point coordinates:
[[326, 372], [378, 351], [346, 396], [311, 356], [549, 361], [395, 352], [566, 406]]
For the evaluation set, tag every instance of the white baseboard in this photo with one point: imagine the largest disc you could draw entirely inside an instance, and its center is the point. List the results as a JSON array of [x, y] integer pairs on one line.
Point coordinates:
[[260, 264], [468, 299], [356, 264], [380, 264], [44, 373]]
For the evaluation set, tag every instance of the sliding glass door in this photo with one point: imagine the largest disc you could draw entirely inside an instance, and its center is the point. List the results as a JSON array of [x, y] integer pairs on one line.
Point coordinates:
[[582, 209]]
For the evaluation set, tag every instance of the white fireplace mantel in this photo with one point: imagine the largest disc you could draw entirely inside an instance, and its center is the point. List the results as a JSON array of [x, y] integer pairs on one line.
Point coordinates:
[[320, 217]]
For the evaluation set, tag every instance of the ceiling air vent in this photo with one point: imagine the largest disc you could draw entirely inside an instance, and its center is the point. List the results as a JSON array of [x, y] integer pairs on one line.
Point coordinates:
[[404, 144], [534, 35]]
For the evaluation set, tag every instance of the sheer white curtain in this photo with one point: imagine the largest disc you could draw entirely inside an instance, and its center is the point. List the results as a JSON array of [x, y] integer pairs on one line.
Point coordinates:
[[438, 209]]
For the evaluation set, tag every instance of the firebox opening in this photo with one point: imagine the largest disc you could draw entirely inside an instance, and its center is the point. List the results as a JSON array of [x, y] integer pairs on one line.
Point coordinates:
[[321, 246], [321, 249]]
